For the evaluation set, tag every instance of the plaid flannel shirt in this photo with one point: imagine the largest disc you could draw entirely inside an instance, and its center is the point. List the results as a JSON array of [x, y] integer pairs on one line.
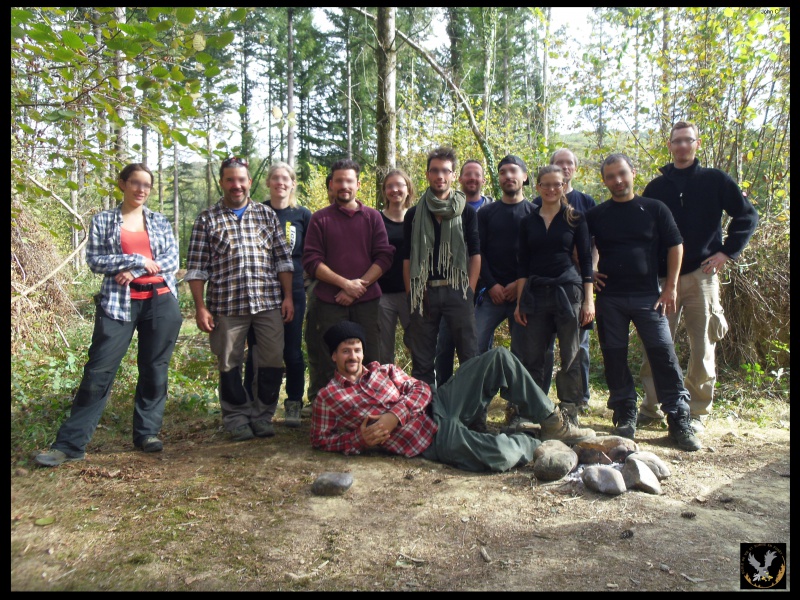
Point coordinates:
[[341, 407], [240, 259], [104, 255]]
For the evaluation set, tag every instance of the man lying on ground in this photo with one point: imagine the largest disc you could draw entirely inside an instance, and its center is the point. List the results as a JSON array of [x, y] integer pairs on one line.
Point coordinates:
[[378, 406]]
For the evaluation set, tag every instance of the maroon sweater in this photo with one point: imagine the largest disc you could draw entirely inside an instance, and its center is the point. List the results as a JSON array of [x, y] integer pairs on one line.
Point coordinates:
[[349, 243]]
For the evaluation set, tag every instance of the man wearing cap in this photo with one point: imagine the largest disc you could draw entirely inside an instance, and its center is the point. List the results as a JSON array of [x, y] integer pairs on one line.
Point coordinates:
[[378, 406], [498, 231], [441, 264]]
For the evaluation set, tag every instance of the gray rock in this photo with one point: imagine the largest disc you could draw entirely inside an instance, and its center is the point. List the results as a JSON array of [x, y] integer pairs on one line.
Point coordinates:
[[639, 476], [592, 456], [332, 484], [657, 466], [603, 479], [553, 459]]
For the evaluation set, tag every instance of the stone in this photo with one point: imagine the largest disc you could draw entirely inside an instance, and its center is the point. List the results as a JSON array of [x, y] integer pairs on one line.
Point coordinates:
[[592, 456], [617, 448], [638, 476], [657, 466], [553, 459], [332, 484], [604, 479]]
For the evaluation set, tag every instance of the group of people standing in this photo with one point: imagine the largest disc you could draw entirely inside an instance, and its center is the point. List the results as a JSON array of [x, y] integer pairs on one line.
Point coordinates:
[[450, 268]]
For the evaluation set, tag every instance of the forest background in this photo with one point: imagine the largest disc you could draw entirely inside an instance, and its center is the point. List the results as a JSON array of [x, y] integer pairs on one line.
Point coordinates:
[[93, 89]]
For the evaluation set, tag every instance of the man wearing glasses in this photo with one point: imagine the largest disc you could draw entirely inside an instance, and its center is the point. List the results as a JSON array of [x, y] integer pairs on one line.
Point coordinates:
[[239, 248], [441, 265], [697, 197]]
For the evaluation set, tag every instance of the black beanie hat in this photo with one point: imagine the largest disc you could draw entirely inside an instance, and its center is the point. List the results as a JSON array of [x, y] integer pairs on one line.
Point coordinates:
[[510, 159], [343, 331]]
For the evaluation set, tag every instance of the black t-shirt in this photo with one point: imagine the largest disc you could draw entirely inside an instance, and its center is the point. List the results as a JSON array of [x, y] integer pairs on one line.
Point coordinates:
[[469, 226], [392, 281], [294, 222], [498, 229], [629, 237]]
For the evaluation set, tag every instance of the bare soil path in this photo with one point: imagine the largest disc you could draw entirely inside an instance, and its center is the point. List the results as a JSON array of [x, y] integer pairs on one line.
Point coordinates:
[[210, 514]]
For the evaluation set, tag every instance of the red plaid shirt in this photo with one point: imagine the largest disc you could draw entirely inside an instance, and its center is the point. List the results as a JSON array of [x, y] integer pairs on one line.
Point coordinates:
[[341, 407]]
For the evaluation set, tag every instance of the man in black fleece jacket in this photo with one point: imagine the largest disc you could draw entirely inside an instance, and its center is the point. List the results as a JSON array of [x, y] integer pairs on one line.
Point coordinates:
[[697, 197]]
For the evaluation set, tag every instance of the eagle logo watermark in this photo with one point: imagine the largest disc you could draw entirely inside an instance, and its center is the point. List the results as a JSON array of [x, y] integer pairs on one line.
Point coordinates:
[[763, 566]]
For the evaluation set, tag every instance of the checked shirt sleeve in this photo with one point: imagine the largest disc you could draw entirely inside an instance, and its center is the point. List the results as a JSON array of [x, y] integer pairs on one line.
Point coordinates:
[[415, 395], [198, 257], [327, 430], [104, 252]]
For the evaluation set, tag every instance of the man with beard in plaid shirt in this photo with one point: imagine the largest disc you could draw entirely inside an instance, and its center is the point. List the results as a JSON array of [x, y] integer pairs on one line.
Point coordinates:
[[373, 406], [239, 248]]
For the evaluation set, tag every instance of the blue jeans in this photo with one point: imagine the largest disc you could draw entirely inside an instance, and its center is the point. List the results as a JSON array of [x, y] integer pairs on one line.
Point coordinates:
[[110, 342], [488, 317], [614, 316]]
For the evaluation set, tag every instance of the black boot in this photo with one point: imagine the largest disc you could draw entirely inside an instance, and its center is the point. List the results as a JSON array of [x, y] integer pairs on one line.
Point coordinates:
[[681, 432], [624, 420]]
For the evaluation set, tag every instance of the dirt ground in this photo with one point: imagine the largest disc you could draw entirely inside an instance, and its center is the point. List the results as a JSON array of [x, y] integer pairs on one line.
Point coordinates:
[[210, 514]]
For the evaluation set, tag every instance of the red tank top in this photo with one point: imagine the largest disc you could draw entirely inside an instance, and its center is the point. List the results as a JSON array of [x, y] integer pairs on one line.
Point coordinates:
[[138, 242]]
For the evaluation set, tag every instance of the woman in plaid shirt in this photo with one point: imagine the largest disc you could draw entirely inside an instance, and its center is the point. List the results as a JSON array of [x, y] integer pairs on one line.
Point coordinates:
[[133, 247]]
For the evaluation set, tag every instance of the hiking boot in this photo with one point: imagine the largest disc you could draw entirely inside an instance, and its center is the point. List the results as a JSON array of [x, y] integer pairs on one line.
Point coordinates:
[[53, 458], [647, 421], [262, 428], [697, 425], [558, 427], [242, 433], [519, 424], [584, 408], [150, 443], [624, 420], [305, 412], [680, 431], [292, 417], [572, 411]]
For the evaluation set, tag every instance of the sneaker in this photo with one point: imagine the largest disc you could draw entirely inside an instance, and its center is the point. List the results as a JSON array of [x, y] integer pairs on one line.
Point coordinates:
[[680, 431], [242, 433], [305, 412], [624, 420], [150, 443], [292, 418], [53, 458], [572, 411], [558, 427], [647, 421], [697, 425], [262, 428]]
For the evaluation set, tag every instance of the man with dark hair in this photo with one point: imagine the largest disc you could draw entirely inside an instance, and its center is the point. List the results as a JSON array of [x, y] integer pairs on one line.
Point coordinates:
[[374, 406], [346, 250], [441, 265], [239, 248], [472, 181], [697, 196], [629, 232]]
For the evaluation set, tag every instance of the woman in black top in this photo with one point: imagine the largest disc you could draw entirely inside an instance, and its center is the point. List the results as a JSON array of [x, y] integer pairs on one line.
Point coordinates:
[[552, 297], [398, 194]]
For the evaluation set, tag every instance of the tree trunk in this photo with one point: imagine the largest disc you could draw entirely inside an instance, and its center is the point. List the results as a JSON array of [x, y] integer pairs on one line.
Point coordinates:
[[545, 79], [120, 132], [386, 110], [175, 196], [349, 107], [290, 92], [160, 173]]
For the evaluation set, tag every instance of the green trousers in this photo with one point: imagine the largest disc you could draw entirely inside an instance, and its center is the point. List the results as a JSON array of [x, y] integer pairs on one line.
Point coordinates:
[[471, 390]]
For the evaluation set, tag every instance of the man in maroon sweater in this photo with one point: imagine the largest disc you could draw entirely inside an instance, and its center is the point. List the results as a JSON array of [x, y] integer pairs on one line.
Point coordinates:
[[346, 250]]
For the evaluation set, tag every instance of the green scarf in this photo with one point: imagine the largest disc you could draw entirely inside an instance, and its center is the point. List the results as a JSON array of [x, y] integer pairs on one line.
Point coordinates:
[[452, 247]]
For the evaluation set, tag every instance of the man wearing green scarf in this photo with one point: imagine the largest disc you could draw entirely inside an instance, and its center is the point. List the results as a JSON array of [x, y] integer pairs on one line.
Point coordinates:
[[441, 267]]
